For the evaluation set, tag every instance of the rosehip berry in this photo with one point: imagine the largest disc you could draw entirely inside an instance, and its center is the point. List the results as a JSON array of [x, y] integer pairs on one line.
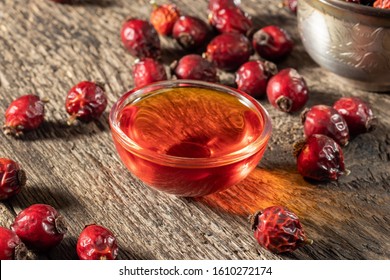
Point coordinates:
[[319, 157], [228, 20], [287, 91], [85, 101], [11, 248], [293, 4], [148, 71], [12, 178], [190, 32], [252, 77], [322, 119], [164, 17], [278, 230], [40, 226], [272, 43], [140, 39], [96, 243], [195, 67], [215, 5], [383, 4], [357, 114], [229, 51], [24, 114]]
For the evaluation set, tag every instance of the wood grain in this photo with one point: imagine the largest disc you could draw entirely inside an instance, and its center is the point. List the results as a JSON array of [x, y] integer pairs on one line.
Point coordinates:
[[46, 48]]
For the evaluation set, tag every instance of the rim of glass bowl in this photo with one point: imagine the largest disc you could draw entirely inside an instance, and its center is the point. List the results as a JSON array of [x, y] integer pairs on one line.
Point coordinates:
[[169, 160], [357, 8]]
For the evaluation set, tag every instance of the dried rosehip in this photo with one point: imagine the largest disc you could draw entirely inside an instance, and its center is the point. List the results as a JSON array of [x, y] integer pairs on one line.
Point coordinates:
[[287, 91], [195, 67], [148, 71], [140, 38], [228, 20], [215, 5], [320, 158], [11, 248], [272, 43], [40, 226], [164, 17], [252, 77], [278, 230], [12, 178], [229, 51], [190, 32], [322, 119], [24, 114], [383, 4], [96, 243], [85, 101]]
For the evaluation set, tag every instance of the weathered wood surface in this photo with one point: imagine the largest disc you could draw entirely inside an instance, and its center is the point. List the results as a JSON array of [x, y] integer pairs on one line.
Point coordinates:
[[45, 48]]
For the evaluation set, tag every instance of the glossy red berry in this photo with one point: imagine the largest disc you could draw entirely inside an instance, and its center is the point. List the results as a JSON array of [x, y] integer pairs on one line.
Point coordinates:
[[147, 71], [12, 178], [85, 101], [272, 43], [229, 51], [323, 119], [190, 32], [293, 5], [383, 4], [96, 243], [228, 20], [278, 230], [215, 5], [12, 248], [320, 158], [252, 77], [140, 38], [195, 67], [287, 91], [357, 114], [164, 17], [24, 114]]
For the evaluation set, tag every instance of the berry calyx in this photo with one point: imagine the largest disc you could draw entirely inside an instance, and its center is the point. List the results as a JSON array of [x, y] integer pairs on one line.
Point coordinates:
[[147, 71], [164, 17], [12, 248], [12, 178], [195, 67], [190, 32], [228, 20]]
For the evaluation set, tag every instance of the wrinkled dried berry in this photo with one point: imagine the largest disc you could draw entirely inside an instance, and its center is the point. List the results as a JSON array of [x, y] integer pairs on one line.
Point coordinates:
[[148, 71], [228, 20], [164, 17], [190, 32], [195, 67], [12, 178], [12, 248], [383, 4], [215, 5]]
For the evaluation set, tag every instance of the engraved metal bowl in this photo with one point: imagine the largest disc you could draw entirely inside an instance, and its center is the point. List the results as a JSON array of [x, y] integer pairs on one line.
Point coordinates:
[[350, 40]]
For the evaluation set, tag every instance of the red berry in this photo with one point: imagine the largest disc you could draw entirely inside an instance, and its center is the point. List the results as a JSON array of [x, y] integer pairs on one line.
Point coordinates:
[[12, 178], [383, 4], [85, 101], [272, 43], [40, 226], [229, 51], [252, 77], [164, 17], [287, 91], [293, 4], [228, 20], [319, 157], [190, 32], [11, 248], [148, 71], [140, 38], [278, 230], [357, 114], [96, 243], [24, 114], [322, 119], [195, 67], [215, 5]]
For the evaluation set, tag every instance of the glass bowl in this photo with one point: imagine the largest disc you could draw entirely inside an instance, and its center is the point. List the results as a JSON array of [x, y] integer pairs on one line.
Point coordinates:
[[189, 138]]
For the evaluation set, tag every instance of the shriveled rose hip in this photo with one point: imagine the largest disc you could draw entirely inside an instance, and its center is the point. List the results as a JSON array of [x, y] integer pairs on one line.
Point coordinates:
[[195, 67], [228, 20], [97, 243], [12, 248], [147, 71], [12, 178], [190, 32], [163, 18], [215, 5], [383, 4]]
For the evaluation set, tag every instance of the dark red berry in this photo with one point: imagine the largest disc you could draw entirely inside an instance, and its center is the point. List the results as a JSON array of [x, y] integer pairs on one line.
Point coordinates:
[[357, 114], [228, 20], [24, 114], [215, 5], [287, 91], [164, 17], [140, 38], [252, 77], [293, 4], [148, 71], [229, 51], [272, 43], [322, 119], [195, 67], [85, 101], [12, 178], [40, 226], [320, 158], [278, 230], [190, 32], [12, 248], [96, 243]]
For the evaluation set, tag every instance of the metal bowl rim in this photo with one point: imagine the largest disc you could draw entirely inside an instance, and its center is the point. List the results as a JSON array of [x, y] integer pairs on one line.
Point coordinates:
[[356, 8]]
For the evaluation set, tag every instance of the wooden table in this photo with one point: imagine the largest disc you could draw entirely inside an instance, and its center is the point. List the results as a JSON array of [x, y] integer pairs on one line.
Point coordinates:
[[46, 48]]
